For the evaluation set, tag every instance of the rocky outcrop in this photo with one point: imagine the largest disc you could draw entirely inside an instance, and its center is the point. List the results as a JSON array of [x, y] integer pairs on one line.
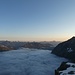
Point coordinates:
[[66, 49], [4, 48], [65, 68]]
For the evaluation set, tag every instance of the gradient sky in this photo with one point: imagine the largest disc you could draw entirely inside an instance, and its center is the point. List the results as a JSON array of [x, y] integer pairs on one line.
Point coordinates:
[[37, 20]]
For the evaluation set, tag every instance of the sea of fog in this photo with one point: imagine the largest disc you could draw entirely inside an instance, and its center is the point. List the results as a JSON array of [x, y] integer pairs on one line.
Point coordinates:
[[28, 62]]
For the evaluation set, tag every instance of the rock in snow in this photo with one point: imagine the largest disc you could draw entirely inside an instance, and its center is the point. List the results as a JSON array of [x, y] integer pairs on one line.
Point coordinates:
[[66, 68]]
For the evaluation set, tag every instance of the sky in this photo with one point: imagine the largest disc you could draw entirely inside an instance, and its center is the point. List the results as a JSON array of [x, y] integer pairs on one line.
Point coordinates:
[[37, 20]]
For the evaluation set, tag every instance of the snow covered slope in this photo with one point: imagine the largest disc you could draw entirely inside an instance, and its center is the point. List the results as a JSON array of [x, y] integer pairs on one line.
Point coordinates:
[[28, 62], [66, 68]]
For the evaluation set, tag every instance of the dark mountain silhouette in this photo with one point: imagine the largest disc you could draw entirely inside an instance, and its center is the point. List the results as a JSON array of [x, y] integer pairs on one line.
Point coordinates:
[[66, 49]]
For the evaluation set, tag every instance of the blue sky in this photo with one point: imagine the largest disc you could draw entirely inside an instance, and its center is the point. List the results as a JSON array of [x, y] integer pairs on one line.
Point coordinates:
[[37, 20]]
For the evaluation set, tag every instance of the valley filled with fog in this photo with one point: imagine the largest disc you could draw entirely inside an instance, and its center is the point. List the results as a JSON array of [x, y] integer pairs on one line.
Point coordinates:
[[29, 62]]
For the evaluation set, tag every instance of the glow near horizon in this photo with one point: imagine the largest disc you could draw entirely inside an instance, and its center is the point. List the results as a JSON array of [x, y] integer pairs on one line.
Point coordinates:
[[37, 20]]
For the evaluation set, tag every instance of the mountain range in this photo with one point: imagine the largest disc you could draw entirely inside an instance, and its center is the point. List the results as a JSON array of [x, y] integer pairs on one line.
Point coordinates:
[[13, 45]]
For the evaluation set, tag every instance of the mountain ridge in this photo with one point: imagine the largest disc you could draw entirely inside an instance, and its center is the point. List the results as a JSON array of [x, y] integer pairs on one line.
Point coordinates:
[[66, 49]]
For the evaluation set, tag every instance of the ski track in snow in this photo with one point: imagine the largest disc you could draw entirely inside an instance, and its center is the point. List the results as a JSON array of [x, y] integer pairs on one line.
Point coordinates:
[[29, 62]]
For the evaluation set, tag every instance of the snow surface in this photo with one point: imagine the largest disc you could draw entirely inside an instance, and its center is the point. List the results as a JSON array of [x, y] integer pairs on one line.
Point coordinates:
[[69, 50], [69, 69], [65, 72], [71, 64], [29, 62]]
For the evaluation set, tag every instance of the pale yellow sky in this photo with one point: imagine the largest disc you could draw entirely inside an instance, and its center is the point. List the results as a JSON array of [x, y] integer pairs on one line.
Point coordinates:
[[35, 38]]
